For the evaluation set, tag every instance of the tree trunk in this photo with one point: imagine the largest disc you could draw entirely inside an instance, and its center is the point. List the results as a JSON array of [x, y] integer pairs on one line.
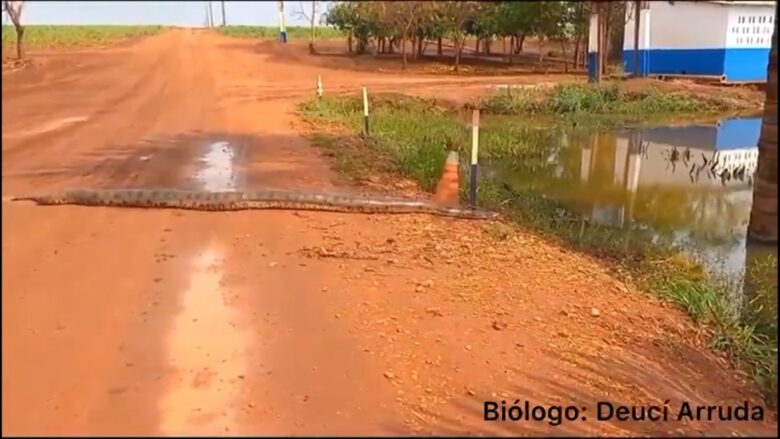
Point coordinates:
[[349, 41], [520, 42], [224, 20], [511, 49], [476, 47], [311, 37], [565, 61], [503, 45], [763, 216], [607, 42], [486, 44], [391, 46], [420, 40], [600, 42], [637, 14], [403, 52], [541, 51], [19, 41], [438, 47], [458, 49], [576, 56]]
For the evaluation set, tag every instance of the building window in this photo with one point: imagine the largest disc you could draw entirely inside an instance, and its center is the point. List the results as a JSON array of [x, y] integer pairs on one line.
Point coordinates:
[[740, 20]]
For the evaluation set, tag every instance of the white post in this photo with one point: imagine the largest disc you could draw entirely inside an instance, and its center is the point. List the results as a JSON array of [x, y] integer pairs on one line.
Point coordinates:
[[319, 86], [474, 157], [365, 111], [282, 29]]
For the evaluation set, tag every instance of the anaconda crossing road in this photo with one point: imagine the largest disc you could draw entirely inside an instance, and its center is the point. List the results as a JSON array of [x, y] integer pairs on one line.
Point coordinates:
[[131, 321]]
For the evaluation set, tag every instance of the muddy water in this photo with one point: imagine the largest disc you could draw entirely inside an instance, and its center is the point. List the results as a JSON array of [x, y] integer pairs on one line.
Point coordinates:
[[689, 187], [216, 167]]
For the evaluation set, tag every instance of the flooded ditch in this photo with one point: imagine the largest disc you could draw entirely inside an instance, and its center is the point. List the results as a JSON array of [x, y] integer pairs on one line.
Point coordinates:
[[684, 187]]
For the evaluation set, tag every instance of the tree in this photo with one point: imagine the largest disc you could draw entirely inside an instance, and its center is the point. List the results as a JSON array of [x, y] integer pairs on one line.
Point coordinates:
[[637, 17], [14, 11], [763, 215], [224, 20], [310, 17], [456, 15]]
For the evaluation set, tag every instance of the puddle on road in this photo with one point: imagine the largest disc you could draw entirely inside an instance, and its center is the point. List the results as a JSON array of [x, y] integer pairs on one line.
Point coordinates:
[[216, 173], [50, 126], [206, 351]]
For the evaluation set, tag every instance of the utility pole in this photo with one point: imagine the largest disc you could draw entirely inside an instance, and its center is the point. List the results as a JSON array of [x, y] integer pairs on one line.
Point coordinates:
[[211, 15], [224, 20], [282, 29]]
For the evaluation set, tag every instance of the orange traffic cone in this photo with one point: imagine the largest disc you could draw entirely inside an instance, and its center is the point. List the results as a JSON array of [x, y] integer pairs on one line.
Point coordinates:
[[447, 188]]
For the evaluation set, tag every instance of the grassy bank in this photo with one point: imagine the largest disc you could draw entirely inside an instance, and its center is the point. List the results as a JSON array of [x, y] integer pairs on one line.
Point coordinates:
[[410, 137], [55, 37], [272, 32], [608, 104]]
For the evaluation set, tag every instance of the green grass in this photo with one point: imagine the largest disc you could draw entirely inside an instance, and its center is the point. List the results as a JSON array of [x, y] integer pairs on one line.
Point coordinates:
[[272, 32], [50, 36], [576, 101], [411, 137]]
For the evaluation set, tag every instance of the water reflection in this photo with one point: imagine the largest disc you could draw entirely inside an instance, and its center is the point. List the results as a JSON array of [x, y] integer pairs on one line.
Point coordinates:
[[688, 185]]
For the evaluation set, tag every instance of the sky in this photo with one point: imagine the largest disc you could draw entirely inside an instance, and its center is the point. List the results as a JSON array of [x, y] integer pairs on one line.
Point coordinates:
[[177, 13]]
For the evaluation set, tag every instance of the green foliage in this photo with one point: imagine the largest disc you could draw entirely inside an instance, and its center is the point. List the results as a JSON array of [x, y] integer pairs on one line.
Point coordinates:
[[57, 36], [549, 20], [597, 99]]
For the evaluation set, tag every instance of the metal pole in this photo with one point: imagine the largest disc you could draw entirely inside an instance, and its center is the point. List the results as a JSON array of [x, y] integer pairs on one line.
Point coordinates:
[[474, 155]]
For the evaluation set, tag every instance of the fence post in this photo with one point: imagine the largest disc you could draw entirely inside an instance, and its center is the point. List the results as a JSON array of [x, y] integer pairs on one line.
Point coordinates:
[[319, 86], [474, 155], [365, 112]]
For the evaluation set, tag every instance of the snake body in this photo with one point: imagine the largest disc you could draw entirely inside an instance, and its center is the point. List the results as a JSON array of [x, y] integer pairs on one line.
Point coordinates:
[[247, 200]]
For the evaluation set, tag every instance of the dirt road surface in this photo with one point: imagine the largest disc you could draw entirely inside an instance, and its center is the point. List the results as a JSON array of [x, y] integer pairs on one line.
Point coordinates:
[[124, 321]]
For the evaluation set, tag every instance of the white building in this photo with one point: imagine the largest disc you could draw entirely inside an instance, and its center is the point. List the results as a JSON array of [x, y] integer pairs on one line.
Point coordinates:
[[726, 39]]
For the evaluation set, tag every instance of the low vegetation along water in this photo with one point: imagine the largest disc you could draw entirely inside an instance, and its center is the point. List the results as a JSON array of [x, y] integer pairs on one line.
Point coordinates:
[[666, 201]]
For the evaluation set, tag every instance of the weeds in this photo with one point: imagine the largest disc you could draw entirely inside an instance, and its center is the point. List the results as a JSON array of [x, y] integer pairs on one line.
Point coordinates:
[[601, 99], [59, 36], [414, 136]]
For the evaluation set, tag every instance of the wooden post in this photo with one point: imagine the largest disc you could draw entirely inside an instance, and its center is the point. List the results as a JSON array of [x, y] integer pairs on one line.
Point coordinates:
[[365, 112], [474, 155], [319, 86]]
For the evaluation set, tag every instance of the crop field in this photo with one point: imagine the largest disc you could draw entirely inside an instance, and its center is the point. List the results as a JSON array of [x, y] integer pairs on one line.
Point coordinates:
[[52, 36], [273, 32]]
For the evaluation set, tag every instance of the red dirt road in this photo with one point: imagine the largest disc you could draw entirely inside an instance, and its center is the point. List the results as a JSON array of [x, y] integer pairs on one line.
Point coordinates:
[[142, 322]]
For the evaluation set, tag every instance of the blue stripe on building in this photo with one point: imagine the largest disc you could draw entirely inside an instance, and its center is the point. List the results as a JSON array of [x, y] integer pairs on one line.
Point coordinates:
[[735, 64]]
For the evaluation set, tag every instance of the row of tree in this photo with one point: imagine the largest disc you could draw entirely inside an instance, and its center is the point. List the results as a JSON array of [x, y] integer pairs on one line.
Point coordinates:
[[388, 26]]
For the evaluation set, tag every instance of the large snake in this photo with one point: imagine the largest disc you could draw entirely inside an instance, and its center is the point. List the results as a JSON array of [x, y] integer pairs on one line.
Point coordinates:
[[246, 200]]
